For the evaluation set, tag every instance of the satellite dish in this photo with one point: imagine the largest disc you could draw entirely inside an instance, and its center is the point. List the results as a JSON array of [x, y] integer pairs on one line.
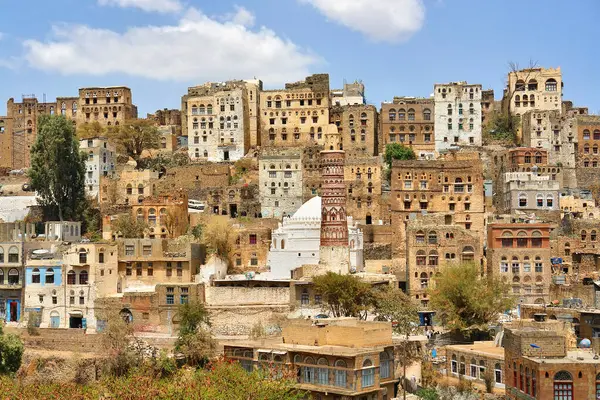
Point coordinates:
[[41, 251]]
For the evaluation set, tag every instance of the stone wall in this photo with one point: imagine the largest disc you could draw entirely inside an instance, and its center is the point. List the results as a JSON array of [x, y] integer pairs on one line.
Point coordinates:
[[235, 296], [236, 321]]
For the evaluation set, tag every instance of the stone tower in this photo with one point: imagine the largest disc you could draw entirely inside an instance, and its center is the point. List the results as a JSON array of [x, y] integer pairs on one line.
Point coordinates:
[[334, 251]]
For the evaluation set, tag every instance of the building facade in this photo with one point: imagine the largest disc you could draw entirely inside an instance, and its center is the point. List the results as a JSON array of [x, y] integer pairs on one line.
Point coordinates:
[[357, 125], [534, 89], [530, 192], [297, 115], [457, 115], [519, 253], [109, 106], [411, 122], [100, 161], [362, 176], [280, 182]]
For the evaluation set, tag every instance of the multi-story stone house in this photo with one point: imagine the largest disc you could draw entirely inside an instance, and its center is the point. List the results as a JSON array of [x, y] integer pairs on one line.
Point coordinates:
[[588, 139], [363, 185], [519, 253], [530, 192], [311, 172], [143, 263], [531, 89], [432, 245], [239, 200], [280, 182], [11, 280], [355, 360], [451, 186], [109, 106], [351, 94], [357, 125], [218, 121], [166, 215], [131, 186], [100, 161], [297, 115], [252, 244], [409, 121], [457, 115]]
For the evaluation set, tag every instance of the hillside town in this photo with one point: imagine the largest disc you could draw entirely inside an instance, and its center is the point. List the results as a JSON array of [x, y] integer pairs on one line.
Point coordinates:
[[421, 246]]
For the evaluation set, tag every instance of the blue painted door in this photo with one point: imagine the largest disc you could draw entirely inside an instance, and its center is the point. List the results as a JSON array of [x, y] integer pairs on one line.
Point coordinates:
[[54, 321]]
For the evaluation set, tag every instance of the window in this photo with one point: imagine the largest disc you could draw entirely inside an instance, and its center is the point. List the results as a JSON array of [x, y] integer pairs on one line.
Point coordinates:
[[522, 200], [147, 250], [454, 364], [340, 374], [129, 250], [563, 386], [35, 276], [551, 85], [368, 374], [50, 275], [150, 269], [432, 238], [536, 239], [101, 258], [179, 268], [323, 373], [13, 255], [83, 277], [539, 266], [539, 200], [507, 239], [183, 299], [427, 114], [169, 269], [384, 365], [252, 238], [549, 201], [498, 373], [71, 278], [504, 265], [304, 299]]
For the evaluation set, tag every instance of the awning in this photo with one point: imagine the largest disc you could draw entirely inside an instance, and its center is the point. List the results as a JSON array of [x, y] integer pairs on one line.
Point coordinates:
[[76, 314]]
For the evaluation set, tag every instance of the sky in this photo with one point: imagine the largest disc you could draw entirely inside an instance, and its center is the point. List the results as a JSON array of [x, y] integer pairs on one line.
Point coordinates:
[[395, 47]]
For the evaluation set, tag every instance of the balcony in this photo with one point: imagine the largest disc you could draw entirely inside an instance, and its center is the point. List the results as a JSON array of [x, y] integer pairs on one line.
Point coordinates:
[[6, 285]]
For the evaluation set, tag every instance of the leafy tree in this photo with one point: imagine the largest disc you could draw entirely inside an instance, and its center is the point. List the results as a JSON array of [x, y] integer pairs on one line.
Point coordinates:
[[219, 236], [502, 126], [194, 341], [344, 295], [463, 299], [57, 170], [397, 151], [129, 227], [11, 353], [197, 231], [428, 394], [134, 136], [392, 304], [90, 130]]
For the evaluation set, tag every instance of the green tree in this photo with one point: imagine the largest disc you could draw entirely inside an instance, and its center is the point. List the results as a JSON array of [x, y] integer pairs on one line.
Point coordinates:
[[397, 151], [344, 295], [134, 136], [194, 341], [464, 299], [11, 353], [219, 236], [129, 227], [57, 170], [90, 130], [197, 231]]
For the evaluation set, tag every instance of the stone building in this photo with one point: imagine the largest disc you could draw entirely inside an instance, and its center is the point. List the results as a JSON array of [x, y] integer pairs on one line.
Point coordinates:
[[280, 182], [311, 172], [488, 105], [354, 360], [143, 263], [109, 106], [520, 253], [357, 125], [252, 244], [554, 369], [451, 186], [431, 246], [297, 115], [473, 361], [131, 186], [531, 89], [578, 204], [362, 176], [530, 192], [218, 121], [297, 239], [411, 122], [166, 215], [588, 139], [234, 200], [20, 126], [457, 115], [166, 117], [351, 94], [12, 280], [100, 161]]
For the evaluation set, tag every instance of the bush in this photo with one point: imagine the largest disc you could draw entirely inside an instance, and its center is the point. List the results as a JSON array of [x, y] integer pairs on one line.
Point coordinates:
[[11, 353]]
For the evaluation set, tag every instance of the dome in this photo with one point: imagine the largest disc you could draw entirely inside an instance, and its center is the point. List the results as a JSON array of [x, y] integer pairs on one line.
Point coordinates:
[[309, 210], [585, 344]]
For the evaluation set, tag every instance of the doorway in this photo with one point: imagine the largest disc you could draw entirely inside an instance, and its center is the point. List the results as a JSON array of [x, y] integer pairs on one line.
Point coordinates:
[[369, 219], [226, 155], [233, 210], [14, 311], [75, 322]]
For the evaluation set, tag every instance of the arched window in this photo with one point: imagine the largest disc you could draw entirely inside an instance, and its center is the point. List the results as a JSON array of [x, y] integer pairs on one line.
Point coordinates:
[[420, 237], [1, 276], [563, 385], [71, 278], [462, 366], [583, 235], [520, 85], [385, 365], [82, 256], [468, 253], [551, 85], [549, 201], [368, 374], [421, 257], [411, 114], [433, 258], [282, 244], [152, 216], [340, 373], [593, 236], [432, 237], [392, 114], [539, 199], [1, 254], [13, 255], [308, 371], [194, 110], [13, 276], [49, 275], [498, 373], [401, 114], [323, 373], [522, 200], [35, 276], [427, 114], [83, 278], [129, 189], [209, 109], [454, 364], [424, 280]]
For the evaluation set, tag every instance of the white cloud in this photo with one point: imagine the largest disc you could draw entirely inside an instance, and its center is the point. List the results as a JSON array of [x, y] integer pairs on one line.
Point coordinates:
[[381, 20], [243, 17], [197, 48], [1, 35], [161, 6]]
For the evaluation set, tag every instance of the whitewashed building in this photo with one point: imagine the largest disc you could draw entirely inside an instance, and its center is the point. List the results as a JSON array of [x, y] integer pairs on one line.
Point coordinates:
[[100, 162], [297, 240]]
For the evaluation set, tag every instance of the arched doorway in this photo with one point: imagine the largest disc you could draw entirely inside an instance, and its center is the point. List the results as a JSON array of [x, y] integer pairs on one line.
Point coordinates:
[[126, 315]]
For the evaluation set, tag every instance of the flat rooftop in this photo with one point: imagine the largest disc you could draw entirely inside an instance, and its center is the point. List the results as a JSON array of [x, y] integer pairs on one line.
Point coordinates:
[[480, 348], [572, 357], [276, 344]]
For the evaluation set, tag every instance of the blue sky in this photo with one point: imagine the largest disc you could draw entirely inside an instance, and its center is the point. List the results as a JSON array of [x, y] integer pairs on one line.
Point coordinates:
[[396, 47]]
